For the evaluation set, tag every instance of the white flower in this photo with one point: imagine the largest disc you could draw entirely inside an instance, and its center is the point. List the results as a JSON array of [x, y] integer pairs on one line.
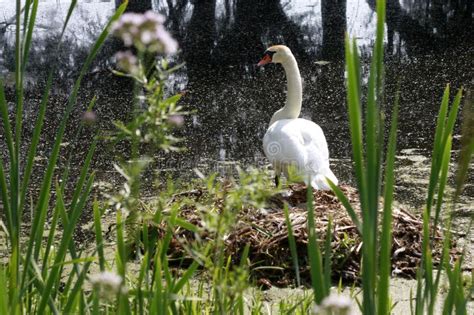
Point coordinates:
[[127, 62], [145, 31], [334, 304], [107, 282]]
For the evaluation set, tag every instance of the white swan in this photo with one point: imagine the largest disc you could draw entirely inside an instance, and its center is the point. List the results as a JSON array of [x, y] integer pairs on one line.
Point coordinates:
[[291, 140]]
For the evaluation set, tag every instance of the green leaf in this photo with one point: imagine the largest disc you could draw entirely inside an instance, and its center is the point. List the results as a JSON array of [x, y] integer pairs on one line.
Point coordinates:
[[315, 260], [383, 288], [292, 242], [185, 277], [98, 235], [345, 202]]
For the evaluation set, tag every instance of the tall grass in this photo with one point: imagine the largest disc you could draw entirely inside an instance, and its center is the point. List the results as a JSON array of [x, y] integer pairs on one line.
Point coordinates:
[[33, 279], [374, 169], [49, 275]]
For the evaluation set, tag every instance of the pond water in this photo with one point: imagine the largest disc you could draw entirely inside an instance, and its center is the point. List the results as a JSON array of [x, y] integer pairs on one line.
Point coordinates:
[[428, 44]]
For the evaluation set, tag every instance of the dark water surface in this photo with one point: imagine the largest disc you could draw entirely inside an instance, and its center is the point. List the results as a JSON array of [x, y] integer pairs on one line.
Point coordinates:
[[428, 45]]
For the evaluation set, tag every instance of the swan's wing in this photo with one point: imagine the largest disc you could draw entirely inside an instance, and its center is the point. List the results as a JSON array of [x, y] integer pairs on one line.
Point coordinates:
[[301, 143], [283, 144], [296, 141], [315, 145]]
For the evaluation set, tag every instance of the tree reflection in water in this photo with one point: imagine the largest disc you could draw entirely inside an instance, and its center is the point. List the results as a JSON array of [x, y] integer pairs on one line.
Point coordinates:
[[428, 45]]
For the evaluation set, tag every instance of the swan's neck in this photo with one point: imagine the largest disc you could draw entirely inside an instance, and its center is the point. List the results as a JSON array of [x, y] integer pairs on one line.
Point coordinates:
[[294, 95]]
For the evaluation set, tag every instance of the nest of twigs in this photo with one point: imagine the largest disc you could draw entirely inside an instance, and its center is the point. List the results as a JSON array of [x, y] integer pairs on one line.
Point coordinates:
[[266, 232]]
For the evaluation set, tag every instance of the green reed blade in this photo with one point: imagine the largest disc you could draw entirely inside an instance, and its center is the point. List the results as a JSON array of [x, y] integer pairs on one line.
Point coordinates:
[[437, 151], [7, 128], [66, 220], [78, 286], [46, 185], [79, 187], [26, 13], [18, 87], [4, 305], [378, 49], [169, 231], [67, 165], [186, 225], [144, 269], [444, 257], [292, 242], [53, 277], [157, 303], [355, 122], [427, 259], [72, 6], [244, 256], [467, 144], [99, 241], [443, 179], [84, 172], [15, 167], [40, 286], [419, 303], [315, 260], [51, 235], [451, 119], [327, 255], [385, 264], [5, 199], [186, 277], [34, 142], [453, 278], [121, 255], [371, 146], [29, 34], [167, 274], [345, 202]]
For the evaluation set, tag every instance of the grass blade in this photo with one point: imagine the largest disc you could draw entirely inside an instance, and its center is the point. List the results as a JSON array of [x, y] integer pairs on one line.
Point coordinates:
[[72, 296], [292, 242], [327, 255], [29, 34], [7, 128], [355, 122], [68, 16], [185, 277], [3, 293], [467, 144], [437, 151], [98, 235], [383, 287], [34, 142], [64, 244], [51, 235], [316, 265], [46, 185], [443, 179], [5, 199], [345, 202]]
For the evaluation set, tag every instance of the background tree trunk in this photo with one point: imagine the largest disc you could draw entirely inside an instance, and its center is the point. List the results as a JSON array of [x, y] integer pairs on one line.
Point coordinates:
[[138, 6]]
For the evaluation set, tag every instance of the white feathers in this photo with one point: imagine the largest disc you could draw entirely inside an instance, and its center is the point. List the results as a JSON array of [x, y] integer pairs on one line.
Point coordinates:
[[292, 141], [302, 144]]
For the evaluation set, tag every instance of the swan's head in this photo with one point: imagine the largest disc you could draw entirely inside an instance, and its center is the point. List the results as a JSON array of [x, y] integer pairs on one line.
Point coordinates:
[[275, 54]]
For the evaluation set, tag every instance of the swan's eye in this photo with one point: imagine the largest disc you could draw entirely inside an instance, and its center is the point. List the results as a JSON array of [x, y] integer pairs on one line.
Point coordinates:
[[269, 53], [267, 58]]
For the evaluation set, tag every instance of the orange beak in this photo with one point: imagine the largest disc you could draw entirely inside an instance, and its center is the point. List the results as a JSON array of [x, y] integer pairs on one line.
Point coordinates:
[[266, 59]]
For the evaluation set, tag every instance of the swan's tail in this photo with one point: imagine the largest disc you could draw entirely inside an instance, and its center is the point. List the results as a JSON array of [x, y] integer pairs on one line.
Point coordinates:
[[318, 180]]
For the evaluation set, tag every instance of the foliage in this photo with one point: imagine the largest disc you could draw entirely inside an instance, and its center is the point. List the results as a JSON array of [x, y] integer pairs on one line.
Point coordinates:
[[45, 273], [369, 155]]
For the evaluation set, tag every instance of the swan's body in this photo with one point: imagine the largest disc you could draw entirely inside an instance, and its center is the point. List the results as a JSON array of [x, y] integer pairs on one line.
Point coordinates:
[[292, 141]]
